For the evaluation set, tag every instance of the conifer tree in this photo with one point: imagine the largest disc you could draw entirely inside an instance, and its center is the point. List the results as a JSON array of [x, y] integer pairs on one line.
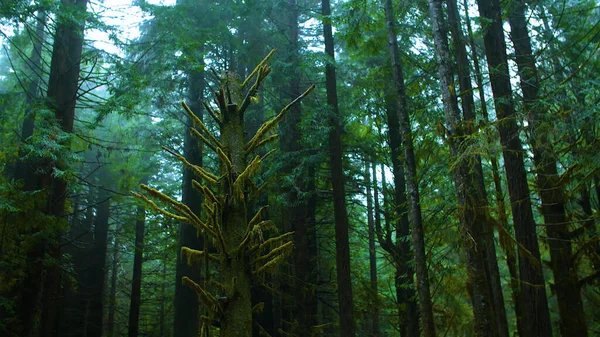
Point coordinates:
[[244, 252]]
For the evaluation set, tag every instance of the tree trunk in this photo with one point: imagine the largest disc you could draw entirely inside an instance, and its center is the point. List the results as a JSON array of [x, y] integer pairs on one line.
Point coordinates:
[[536, 317], [40, 303], [23, 169], [374, 305], [136, 282], [112, 297], [469, 199], [550, 189], [468, 106], [400, 250], [425, 304], [506, 242], [97, 259], [342, 247], [186, 321]]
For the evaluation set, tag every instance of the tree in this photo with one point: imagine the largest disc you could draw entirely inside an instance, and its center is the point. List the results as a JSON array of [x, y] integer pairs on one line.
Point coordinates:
[[243, 253], [536, 318], [342, 246], [425, 305], [551, 191]]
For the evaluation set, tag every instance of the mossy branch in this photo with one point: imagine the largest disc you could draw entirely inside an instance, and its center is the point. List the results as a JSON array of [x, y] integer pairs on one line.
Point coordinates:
[[226, 162], [263, 72], [256, 230], [208, 300], [248, 173], [269, 266], [215, 115], [180, 207], [257, 217], [206, 192], [194, 255], [198, 122], [267, 126], [199, 171], [264, 142], [203, 139], [281, 250], [159, 209], [256, 69], [274, 241]]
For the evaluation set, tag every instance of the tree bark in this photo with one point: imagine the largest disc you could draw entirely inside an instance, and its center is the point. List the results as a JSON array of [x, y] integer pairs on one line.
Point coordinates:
[[25, 170], [536, 317], [342, 247], [186, 319], [550, 189], [297, 210], [505, 241], [112, 297], [374, 305], [425, 304], [40, 301], [136, 282], [400, 250], [477, 176], [470, 201]]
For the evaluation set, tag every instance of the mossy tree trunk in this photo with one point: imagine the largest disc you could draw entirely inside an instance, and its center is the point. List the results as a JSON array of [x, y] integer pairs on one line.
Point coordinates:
[[243, 252]]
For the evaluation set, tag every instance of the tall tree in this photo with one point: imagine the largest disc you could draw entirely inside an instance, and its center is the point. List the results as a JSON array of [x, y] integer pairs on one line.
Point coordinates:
[[374, 328], [298, 209], [550, 189], [418, 239], [342, 246], [506, 242], [536, 316], [63, 84], [243, 253], [186, 312], [136, 281]]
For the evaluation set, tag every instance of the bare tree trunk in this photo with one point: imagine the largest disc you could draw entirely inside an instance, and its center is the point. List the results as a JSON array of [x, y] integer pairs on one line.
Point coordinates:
[[342, 247], [112, 297], [550, 189], [536, 317], [400, 249], [136, 282], [187, 313], [425, 304], [23, 169], [374, 306]]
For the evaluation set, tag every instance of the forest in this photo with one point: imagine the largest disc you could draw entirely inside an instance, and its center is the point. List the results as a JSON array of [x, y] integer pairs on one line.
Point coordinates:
[[299, 168]]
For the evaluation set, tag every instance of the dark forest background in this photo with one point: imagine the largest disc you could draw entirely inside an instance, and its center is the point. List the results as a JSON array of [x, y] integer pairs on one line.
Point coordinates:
[[441, 179]]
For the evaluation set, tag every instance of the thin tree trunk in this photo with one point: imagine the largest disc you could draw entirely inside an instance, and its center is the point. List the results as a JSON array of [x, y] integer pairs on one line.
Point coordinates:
[[550, 189], [400, 250], [374, 327], [23, 169], [425, 303], [97, 259], [136, 282], [112, 297], [536, 317], [186, 319], [342, 247], [468, 106], [506, 242], [469, 198], [63, 84], [297, 200]]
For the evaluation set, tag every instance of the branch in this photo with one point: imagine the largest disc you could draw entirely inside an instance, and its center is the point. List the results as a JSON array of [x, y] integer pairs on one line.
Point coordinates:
[[198, 122], [256, 140], [257, 68]]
